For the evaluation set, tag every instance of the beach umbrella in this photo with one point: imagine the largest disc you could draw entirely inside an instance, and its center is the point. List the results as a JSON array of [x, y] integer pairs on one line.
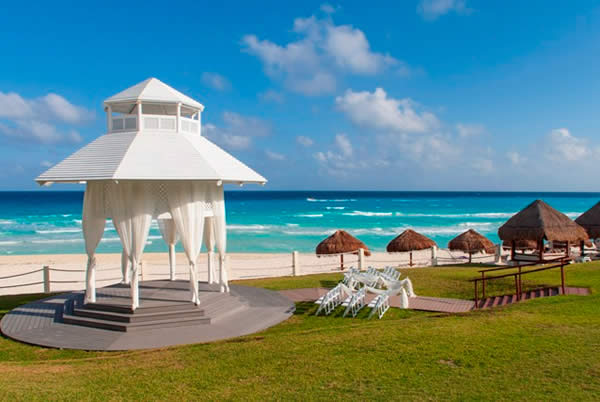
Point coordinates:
[[341, 242], [471, 242], [538, 222], [410, 241], [590, 221]]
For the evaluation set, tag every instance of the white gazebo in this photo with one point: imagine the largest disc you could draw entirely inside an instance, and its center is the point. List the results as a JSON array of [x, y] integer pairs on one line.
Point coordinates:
[[153, 163]]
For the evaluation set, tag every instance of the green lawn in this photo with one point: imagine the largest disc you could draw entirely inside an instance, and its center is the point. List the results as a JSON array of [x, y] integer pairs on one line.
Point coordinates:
[[544, 349]]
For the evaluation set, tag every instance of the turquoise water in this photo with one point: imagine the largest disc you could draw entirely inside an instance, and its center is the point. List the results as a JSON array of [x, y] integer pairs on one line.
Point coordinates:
[[275, 221]]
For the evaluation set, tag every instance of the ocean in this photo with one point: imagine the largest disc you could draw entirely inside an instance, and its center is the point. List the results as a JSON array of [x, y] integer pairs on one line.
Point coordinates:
[[47, 222]]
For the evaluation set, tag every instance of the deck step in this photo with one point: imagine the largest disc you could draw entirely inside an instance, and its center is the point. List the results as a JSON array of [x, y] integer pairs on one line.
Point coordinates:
[[498, 301], [126, 309], [133, 326], [192, 311]]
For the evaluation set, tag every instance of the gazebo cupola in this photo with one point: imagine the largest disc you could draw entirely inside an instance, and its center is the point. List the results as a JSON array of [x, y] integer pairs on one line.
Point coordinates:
[[152, 105]]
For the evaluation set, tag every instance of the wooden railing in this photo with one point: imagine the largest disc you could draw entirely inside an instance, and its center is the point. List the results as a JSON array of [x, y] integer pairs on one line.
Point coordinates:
[[558, 262]]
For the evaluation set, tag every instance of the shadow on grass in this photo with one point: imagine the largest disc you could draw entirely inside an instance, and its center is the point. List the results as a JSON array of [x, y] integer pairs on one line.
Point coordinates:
[[329, 284]]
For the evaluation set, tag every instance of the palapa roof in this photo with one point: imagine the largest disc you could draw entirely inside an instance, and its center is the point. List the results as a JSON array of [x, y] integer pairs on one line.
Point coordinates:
[[152, 90], [523, 244], [409, 240], [471, 242], [341, 242], [540, 221], [590, 221]]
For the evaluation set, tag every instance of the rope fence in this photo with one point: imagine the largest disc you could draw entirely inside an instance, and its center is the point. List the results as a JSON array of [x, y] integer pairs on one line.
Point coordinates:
[[52, 279]]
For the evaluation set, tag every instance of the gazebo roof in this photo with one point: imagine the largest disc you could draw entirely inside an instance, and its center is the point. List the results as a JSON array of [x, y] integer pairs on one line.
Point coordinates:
[[590, 220], [153, 90], [151, 156], [341, 242], [471, 242], [540, 221], [409, 240]]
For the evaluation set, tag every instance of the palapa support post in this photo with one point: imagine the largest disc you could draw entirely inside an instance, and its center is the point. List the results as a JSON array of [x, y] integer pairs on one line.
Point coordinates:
[[562, 277], [46, 279], [434, 256], [341, 262], [541, 250], [512, 250], [470, 256], [582, 247], [567, 249], [498, 256]]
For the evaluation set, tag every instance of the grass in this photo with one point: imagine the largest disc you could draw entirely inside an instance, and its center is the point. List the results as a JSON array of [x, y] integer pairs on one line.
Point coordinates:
[[541, 349]]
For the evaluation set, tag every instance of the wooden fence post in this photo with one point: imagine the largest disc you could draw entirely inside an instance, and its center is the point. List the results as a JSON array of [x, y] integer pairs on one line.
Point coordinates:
[[361, 259], [46, 279], [295, 263]]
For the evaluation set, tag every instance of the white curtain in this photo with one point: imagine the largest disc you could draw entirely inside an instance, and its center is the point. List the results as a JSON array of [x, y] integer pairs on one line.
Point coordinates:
[[220, 231], [209, 243], [131, 206], [169, 235], [93, 222], [187, 203]]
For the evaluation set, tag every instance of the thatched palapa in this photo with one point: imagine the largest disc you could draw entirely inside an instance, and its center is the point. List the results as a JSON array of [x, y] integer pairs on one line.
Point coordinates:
[[341, 242], [522, 244], [471, 242], [590, 221], [538, 222], [410, 241]]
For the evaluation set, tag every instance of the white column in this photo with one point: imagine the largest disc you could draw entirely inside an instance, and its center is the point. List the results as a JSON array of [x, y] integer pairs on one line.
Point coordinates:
[[361, 259], [178, 118], [139, 116], [109, 118], [498, 256], [434, 256], [295, 263]]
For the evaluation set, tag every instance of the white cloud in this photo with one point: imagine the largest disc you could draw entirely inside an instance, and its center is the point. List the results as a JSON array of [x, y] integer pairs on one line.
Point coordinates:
[[515, 158], [469, 130], [304, 141], [237, 131], [216, 81], [339, 161], [324, 50], [483, 166], [344, 145], [271, 96], [46, 164], [274, 156], [432, 9], [42, 120], [328, 8], [563, 146], [377, 110]]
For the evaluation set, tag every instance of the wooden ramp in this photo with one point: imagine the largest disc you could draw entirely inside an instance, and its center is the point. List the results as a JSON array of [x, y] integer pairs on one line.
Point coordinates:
[[442, 305], [436, 304]]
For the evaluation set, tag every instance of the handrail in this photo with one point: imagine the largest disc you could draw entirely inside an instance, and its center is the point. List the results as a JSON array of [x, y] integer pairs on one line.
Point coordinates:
[[518, 278], [524, 265]]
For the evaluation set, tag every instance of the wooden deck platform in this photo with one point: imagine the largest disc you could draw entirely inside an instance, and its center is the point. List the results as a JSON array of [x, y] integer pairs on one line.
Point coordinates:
[[164, 318]]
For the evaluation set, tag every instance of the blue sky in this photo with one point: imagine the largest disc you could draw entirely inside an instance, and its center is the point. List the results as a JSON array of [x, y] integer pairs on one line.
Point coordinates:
[[398, 95]]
